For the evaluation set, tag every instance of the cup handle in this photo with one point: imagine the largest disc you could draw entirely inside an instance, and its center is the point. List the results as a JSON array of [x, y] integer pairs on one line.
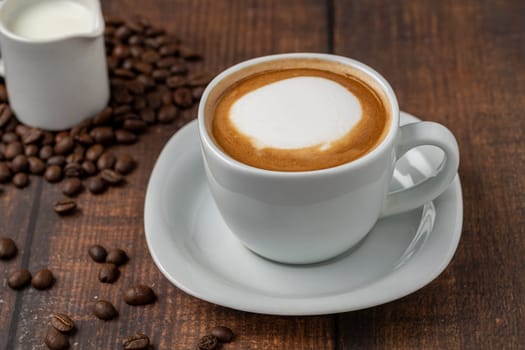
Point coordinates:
[[418, 134]]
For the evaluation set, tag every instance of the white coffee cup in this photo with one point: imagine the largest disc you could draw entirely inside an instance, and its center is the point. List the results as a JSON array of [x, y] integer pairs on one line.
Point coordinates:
[[54, 83], [311, 216]]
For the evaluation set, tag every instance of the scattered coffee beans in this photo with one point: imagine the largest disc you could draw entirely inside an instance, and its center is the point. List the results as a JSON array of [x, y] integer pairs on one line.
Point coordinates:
[[208, 342], [111, 176], [117, 256], [104, 310], [98, 253], [43, 279], [56, 340], [108, 273], [8, 248], [139, 295], [62, 322], [19, 279], [222, 333], [137, 341]]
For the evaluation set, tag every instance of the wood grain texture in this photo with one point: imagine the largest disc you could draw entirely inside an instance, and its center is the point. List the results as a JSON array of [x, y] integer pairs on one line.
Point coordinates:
[[458, 63], [225, 32]]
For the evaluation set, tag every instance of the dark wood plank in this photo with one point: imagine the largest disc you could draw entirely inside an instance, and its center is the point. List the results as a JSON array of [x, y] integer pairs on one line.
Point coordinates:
[[226, 32], [461, 64], [17, 207]]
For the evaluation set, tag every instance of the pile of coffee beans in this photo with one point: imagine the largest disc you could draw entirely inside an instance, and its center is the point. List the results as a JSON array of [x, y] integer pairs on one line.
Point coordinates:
[[151, 81], [57, 336]]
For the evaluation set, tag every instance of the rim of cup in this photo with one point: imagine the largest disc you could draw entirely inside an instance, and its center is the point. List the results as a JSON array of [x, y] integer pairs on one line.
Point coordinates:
[[208, 142]]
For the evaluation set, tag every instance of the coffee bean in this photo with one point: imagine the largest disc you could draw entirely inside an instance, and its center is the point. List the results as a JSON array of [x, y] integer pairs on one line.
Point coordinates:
[[43, 279], [88, 167], [176, 81], [64, 146], [8, 248], [5, 173], [46, 152], [160, 75], [188, 53], [57, 160], [124, 164], [21, 180], [124, 73], [197, 92], [53, 173], [150, 56], [62, 322], [96, 185], [121, 95], [125, 137], [84, 139], [31, 150], [179, 68], [167, 114], [13, 149], [137, 341], [32, 136], [98, 253], [73, 170], [65, 207], [135, 87], [102, 134], [117, 256], [75, 157], [183, 97], [166, 62], [154, 100], [104, 310], [146, 80], [168, 50], [94, 152], [106, 161], [5, 113], [135, 40], [120, 51], [223, 334], [144, 68], [36, 165], [108, 273], [139, 295], [200, 79], [19, 279], [122, 33], [111, 177], [208, 342], [103, 117], [72, 186], [56, 340], [135, 125], [19, 163], [10, 137], [148, 115]]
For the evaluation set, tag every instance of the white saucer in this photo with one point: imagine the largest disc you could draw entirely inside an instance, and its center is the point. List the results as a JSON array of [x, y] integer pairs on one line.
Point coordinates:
[[194, 249]]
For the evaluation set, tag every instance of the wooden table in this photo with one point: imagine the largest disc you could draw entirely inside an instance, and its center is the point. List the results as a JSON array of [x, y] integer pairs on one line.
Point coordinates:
[[460, 63]]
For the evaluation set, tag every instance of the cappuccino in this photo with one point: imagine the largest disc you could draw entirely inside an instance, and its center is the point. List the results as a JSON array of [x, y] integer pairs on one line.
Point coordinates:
[[299, 119]]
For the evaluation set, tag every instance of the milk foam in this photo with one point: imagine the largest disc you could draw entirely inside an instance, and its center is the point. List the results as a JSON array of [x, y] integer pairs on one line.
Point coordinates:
[[52, 19], [296, 112]]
